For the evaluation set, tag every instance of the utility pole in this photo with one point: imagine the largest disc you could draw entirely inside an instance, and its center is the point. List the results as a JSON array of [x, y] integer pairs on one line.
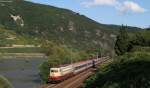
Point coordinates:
[[71, 55], [97, 55]]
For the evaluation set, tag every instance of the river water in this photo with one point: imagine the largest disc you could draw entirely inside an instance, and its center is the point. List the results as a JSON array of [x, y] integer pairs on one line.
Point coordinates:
[[22, 72]]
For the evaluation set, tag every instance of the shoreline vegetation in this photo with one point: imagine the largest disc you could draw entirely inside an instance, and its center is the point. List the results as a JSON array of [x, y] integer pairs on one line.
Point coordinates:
[[21, 52], [4, 83]]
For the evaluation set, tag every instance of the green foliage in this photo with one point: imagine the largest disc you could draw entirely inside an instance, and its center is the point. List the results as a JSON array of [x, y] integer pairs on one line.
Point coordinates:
[[141, 49], [4, 35], [129, 71], [141, 38], [127, 41], [60, 53], [9, 37], [4, 83], [44, 71], [122, 41]]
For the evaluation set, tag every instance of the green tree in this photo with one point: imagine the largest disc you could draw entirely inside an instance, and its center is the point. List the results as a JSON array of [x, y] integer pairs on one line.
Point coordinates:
[[122, 42], [44, 71], [142, 38]]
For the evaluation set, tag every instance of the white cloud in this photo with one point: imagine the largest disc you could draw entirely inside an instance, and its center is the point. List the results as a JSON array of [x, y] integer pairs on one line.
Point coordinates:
[[121, 6], [132, 6], [99, 2]]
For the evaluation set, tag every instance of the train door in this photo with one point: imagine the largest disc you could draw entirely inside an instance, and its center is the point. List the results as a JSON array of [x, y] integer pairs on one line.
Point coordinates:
[[93, 62]]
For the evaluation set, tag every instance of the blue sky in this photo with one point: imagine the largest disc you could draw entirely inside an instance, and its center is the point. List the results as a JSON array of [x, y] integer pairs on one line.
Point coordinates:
[[130, 12]]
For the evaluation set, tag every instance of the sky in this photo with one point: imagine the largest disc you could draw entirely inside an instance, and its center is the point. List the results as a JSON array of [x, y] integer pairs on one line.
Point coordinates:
[[128, 12]]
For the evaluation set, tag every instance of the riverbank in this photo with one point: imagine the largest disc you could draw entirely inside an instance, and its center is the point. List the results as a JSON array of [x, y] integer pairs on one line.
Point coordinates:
[[21, 50], [22, 72], [21, 55]]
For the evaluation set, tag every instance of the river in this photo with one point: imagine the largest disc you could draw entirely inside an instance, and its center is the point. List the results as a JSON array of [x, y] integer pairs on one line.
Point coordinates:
[[22, 72]]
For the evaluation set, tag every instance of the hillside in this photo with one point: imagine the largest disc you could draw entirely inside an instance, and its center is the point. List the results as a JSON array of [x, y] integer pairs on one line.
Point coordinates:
[[30, 23]]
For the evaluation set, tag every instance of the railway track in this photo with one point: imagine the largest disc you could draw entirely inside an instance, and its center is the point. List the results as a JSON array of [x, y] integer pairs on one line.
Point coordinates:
[[48, 86]]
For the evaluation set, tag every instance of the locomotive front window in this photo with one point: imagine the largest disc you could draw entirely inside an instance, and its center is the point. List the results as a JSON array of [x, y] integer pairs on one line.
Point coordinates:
[[54, 70]]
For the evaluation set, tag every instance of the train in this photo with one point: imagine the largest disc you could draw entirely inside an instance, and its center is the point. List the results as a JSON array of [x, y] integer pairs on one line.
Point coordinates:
[[58, 74]]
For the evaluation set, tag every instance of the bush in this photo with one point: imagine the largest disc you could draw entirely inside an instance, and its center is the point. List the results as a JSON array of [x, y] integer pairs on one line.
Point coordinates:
[[4, 83], [129, 71], [141, 49], [44, 71]]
